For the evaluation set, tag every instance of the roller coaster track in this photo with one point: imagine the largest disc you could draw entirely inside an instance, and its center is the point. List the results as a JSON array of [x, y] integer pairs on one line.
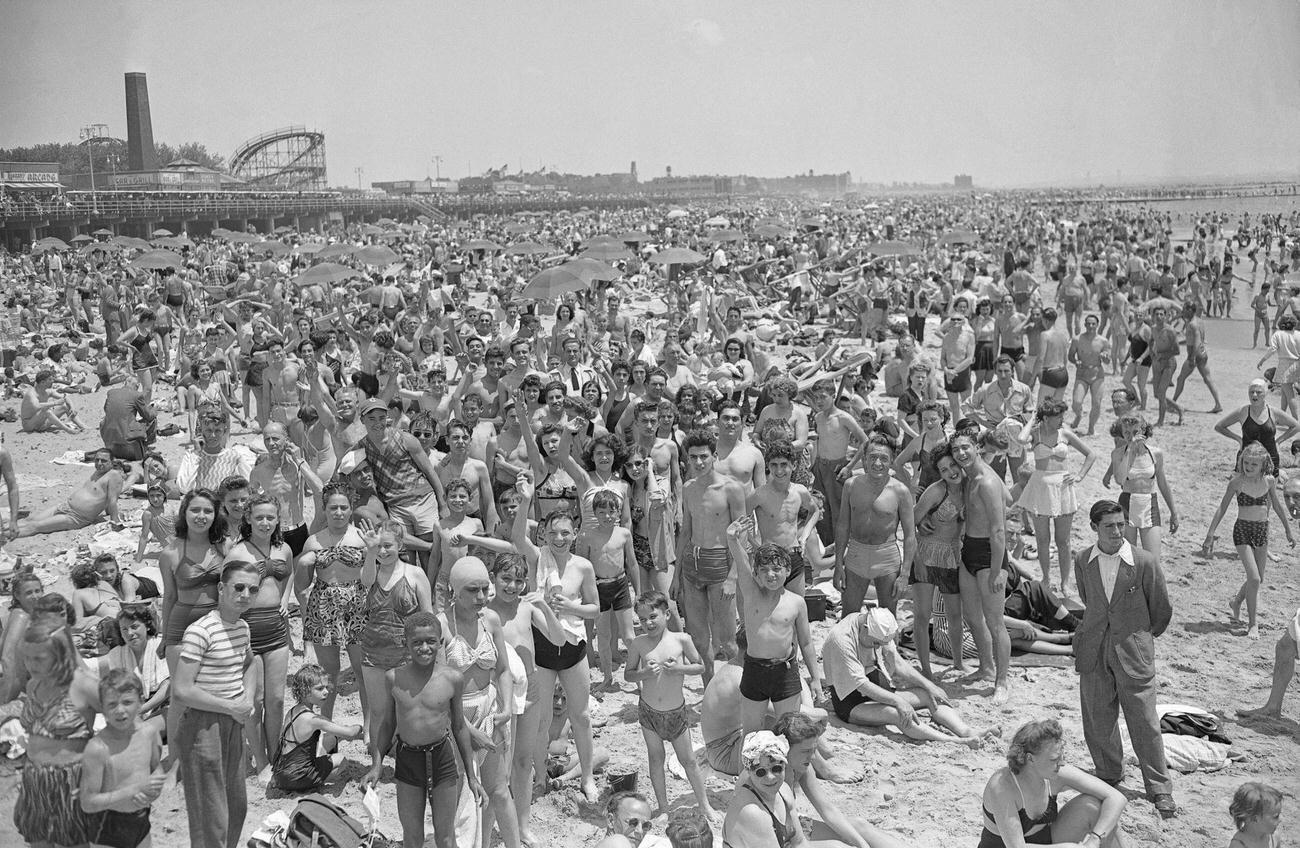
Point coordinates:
[[260, 161]]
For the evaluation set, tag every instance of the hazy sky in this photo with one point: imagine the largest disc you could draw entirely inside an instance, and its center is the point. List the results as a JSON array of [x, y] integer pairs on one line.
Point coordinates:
[[1011, 92]]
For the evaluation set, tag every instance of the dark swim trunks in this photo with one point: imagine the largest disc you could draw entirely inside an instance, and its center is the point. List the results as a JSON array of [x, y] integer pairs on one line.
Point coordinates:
[[977, 554], [769, 680], [425, 766]]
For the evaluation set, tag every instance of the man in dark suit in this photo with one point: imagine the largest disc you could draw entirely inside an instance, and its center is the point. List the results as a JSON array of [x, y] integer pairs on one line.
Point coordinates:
[[1126, 606], [129, 424]]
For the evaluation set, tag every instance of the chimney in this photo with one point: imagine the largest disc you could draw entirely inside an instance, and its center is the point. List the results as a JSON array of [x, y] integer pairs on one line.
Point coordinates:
[[670, 170], [633, 170], [141, 155]]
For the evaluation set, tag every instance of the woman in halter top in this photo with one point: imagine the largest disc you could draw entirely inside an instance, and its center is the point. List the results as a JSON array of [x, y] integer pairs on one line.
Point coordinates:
[[1049, 494], [261, 542], [475, 646], [940, 511], [1139, 468]]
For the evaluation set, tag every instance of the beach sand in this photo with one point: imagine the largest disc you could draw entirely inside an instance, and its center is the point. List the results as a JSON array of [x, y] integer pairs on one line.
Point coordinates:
[[929, 794]]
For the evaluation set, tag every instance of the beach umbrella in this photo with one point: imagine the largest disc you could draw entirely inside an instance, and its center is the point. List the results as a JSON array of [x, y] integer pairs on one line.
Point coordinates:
[[101, 246], [244, 238], [718, 221], [275, 248], [519, 229], [372, 230], [161, 233], [634, 237], [81, 238], [157, 260], [677, 213], [376, 254], [50, 242], [333, 250], [132, 242], [220, 232], [608, 252], [726, 236], [173, 242], [102, 231], [959, 237], [526, 248], [677, 256], [482, 244], [593, 269], [311, 247], [279, 231], [326, 273], [892, 248], [553, 282], [386, 222], [811, 223], [771, 231]]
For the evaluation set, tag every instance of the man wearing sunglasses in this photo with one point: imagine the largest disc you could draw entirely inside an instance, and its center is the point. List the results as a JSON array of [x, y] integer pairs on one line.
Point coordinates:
[[628, 824]]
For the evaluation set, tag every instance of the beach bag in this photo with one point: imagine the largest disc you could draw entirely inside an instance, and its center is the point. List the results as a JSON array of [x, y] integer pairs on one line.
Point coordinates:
[[317, 822]]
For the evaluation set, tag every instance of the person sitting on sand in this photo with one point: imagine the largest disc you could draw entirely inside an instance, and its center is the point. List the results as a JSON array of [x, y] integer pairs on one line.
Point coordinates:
[[628, 823], [871, 685], [45, 410], [86, 505], [1034, 776]]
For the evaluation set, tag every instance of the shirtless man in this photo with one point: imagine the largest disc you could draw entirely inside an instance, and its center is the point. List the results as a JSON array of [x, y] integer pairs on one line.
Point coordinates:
[[705, 580], [984, 550], [835, 430], [776, 505], [1198, 357], [97, 496], [282, 384], [283, 474], [1089, 352], [1056, 346], [776, 623], [1164, 352], [43, 409], [661, 451], [737, 458], [874, 506], [459, 464], [347, 429], [422, 723]]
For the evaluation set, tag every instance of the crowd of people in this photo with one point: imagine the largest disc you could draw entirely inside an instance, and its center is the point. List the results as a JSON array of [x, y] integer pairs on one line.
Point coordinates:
[[480, 482]]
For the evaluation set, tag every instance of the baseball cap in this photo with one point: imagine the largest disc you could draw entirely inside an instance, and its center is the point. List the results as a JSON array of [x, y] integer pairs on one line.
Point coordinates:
[[879, 623], [371, 405]]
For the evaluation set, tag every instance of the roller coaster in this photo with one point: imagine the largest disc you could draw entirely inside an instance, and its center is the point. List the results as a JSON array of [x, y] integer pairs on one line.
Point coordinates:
[[290, 158]]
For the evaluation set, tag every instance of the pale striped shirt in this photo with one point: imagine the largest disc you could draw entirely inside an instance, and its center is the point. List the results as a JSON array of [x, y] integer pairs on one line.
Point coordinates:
[[221, 650]]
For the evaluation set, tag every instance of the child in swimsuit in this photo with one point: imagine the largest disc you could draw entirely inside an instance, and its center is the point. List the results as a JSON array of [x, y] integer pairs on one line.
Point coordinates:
[[299, 766]]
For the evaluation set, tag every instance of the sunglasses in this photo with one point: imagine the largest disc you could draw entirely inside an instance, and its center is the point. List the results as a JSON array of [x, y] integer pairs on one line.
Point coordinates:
[[638, 824], [422, 434], [776, 770], [242, 588]]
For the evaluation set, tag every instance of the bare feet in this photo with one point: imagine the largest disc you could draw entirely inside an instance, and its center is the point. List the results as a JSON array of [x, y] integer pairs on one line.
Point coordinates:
[[1234, 607], [838, 772], [1265, 711], [1217, 408], [979, 675], [1253, 632], [1001, 693]]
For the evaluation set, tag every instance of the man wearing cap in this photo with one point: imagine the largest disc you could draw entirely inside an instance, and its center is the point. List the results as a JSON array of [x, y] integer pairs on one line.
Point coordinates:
[[213, 460], [1126, 605], [871, 685], [405, 479]]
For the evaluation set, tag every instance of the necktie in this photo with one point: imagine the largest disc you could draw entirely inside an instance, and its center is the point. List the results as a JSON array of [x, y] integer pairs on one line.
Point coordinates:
[[573, 378]]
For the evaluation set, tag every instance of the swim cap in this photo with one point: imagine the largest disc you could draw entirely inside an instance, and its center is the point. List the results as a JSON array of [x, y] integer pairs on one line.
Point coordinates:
[[763, 743], [466, 569]]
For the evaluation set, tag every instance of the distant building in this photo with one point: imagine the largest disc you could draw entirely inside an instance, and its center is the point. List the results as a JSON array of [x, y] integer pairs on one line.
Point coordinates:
[[683, 186], [29, 176], [963, 181]]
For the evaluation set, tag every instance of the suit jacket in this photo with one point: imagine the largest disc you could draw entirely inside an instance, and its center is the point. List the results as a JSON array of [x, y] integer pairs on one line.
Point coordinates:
[[1127, 622], [127, 417]]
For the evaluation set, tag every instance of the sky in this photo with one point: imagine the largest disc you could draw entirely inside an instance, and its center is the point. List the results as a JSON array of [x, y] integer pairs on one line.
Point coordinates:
[[1013, 93]]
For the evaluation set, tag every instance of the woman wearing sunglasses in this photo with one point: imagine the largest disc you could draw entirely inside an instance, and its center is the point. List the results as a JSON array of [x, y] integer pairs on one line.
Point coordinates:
[[762, 807]]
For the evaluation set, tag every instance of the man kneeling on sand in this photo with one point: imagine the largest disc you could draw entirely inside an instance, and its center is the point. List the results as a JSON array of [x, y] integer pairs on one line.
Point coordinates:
[[86, 505]]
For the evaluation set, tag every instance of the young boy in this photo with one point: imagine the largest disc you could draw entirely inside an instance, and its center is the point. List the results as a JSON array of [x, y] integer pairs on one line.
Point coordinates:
[[611, 553], [425, 714], [120, 774], [777, 505], [776, 622], [836, 431], [658, 660]]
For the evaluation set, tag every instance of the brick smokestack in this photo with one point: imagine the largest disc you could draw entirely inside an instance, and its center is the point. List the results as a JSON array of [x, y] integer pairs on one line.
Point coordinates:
[[141, 155]]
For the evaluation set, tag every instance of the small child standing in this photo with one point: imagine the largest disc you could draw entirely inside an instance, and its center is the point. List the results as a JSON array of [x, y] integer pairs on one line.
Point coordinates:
[[614, 558], [297, 766], [1256, 809], [658, 660], [120, 774], [156, 522]]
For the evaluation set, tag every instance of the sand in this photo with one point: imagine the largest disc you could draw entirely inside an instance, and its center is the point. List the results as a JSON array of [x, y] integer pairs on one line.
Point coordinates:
[[928, 794]]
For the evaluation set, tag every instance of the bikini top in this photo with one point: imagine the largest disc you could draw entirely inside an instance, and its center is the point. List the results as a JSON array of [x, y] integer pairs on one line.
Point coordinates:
[[401, 598], [1056, 453], [947, 511], [341, 554], [59, 719], [553, 488], [197, 577], [1144, 467], [1029, 823], [266, 566], [461, 655], [1244, 499], [784, 833]]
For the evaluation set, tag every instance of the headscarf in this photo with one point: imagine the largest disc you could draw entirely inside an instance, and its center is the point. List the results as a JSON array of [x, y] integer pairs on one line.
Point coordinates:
[[763, 743], [464, 570]]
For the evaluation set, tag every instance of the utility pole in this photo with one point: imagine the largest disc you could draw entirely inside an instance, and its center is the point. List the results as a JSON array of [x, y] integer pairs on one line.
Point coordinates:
[[359, 171], [90, 135], [437, 167]]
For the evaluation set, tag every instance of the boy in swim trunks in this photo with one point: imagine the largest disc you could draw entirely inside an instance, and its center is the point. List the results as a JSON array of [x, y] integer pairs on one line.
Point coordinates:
[[777, 505], [658, 661], [776, 623], [120, 773], [425, 713]]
